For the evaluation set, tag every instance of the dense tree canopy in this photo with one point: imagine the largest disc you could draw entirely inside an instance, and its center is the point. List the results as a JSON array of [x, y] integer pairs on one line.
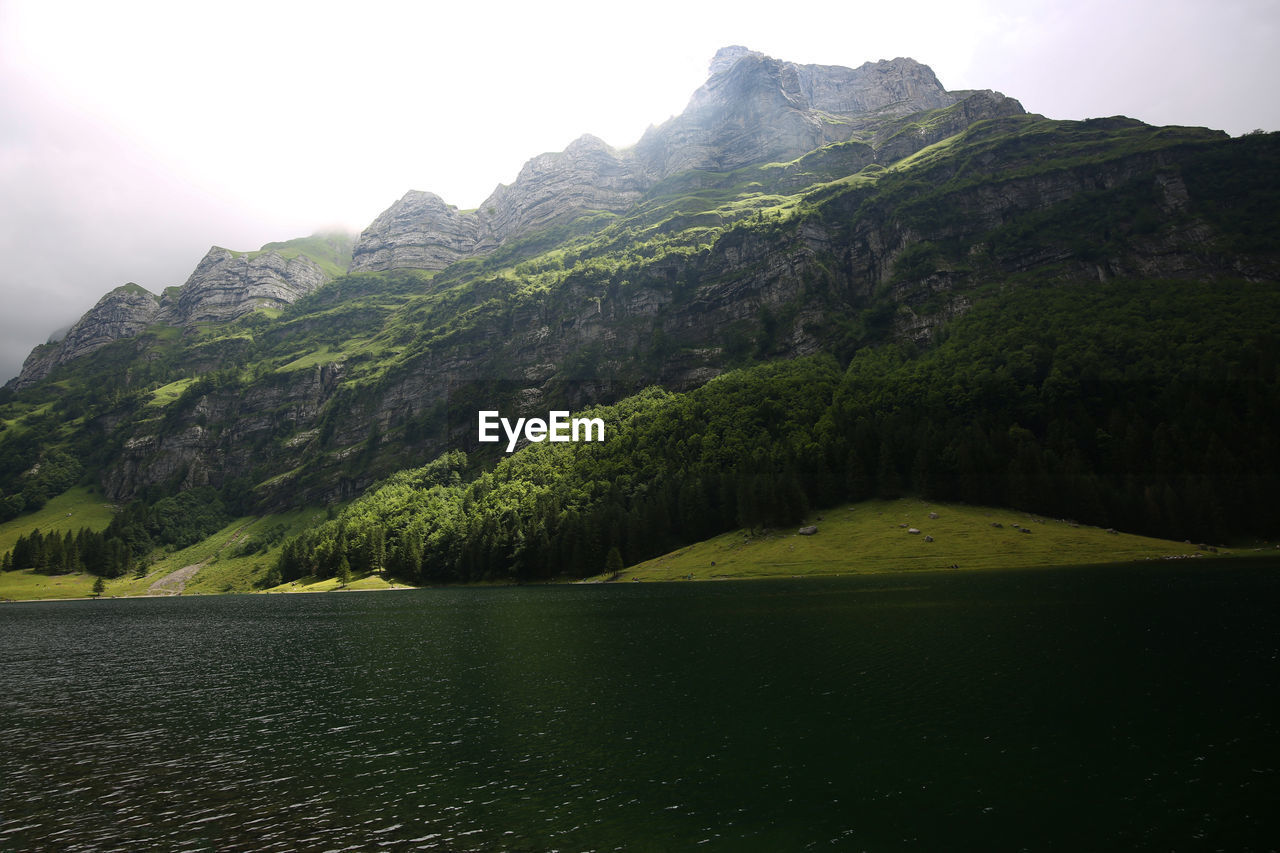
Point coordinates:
[[1136, 404]]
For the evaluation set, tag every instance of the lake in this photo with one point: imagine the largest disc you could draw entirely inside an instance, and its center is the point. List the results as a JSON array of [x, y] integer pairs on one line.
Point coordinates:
[[1068, 709]]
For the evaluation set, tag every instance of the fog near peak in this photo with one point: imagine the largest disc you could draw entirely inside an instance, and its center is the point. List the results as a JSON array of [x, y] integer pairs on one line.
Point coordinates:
[[85, 212]]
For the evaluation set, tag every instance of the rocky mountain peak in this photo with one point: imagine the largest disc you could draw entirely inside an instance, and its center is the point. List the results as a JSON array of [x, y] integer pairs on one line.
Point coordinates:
[[227, 284], [587, 144], [420, 231], [122, 313], [752, 109], [740, 76], [224, 285], [726, 57], [416, 201]]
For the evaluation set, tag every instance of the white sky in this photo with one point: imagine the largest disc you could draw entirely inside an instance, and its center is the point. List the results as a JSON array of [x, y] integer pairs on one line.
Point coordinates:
[[134, 135]]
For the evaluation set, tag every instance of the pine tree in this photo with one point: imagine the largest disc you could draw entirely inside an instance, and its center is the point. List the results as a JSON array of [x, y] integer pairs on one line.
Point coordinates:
[[613, 562]]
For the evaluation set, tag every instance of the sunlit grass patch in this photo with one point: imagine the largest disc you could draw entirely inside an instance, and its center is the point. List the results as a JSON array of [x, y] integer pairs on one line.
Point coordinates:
[[28, 585], [68, 512], [166, 394], [364, 584], [875, 537]]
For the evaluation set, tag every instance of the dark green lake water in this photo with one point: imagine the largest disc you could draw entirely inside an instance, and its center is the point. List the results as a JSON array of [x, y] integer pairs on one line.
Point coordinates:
[[1051, 709]]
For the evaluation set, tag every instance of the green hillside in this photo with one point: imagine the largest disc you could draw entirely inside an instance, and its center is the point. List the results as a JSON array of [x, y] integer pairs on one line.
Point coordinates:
[[1035, 401], [66, 513], [233, 559], [876, 536]]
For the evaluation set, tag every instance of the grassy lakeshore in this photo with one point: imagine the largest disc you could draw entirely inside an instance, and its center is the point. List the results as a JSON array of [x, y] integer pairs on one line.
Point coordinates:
[[368, 583], [863, 538], [220, 563], [874, 536]]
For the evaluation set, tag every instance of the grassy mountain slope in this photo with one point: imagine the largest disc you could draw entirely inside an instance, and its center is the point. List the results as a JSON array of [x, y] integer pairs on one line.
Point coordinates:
[[332, 251], [68, 512], [232, 559]]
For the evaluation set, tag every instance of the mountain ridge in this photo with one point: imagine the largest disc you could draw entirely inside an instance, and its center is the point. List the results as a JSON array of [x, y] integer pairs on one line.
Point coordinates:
[[422, 231], [224, 286], [753, 108]]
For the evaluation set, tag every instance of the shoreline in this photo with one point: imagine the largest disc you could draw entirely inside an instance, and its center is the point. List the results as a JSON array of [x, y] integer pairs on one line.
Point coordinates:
[[1259, 556]]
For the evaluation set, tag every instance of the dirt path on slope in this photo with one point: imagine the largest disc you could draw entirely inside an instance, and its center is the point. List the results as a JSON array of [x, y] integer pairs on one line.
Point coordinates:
[[175, 582]]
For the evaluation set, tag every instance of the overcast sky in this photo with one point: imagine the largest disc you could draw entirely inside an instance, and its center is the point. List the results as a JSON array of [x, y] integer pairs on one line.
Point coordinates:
[[134, 135]]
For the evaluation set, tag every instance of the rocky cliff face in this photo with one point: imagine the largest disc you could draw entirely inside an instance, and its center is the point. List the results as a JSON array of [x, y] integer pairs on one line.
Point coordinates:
[[552, 188], [224, 285], [198, 455], [898, 140], [755, 108], [122, 313], [227, 284], [752, 109], [419, 231]]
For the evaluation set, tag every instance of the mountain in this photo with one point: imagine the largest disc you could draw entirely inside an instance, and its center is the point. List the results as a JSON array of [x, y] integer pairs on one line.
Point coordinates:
[[752, 109], [812, 216], [225, 285]]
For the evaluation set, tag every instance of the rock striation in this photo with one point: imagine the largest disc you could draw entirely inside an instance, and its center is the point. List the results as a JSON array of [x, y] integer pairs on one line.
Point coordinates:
[[587, 176], [122, 313], [901, 139], [755, 108], [227, 284], [419, 231]]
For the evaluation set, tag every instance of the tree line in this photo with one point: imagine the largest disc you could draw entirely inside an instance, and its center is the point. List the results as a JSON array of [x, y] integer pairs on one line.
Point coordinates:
[[137, 530]]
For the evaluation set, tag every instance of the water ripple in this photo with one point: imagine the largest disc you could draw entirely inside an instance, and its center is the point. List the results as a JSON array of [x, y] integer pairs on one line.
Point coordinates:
[[770, 716]]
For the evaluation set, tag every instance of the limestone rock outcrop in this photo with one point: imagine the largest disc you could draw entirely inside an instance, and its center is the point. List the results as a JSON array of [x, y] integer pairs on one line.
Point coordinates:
[[227, 284], [754, 108], [419, 231], [896, 141], [122, 313], [552, 188]]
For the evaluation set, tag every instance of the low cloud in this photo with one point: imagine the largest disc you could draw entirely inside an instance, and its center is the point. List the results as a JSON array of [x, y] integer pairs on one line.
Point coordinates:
[[84, 212]]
